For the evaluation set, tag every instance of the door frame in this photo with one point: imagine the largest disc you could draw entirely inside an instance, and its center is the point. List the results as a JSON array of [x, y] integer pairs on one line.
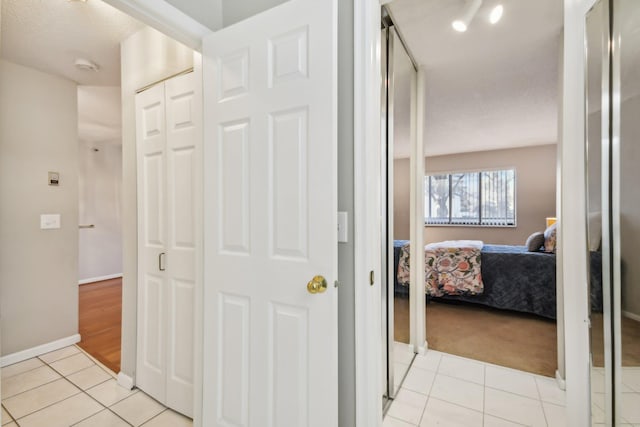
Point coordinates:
[[572, 235], [367, 240], [174, 23], [367, 202]]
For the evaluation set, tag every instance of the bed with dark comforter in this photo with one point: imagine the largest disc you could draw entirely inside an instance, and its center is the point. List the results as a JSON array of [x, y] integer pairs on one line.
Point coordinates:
[[516, 279]]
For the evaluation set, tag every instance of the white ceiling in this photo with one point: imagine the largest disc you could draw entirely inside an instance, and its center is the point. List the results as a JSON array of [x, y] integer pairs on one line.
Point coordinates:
[[491, 87], [494, 86], [49, 35]]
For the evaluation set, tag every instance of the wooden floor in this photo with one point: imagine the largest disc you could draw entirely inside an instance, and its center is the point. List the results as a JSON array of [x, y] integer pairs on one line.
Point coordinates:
[[101, 321]]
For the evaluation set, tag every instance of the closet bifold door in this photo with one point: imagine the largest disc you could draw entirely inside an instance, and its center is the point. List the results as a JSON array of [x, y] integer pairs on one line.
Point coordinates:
[[182, 154], [167, 118], [151, 144]]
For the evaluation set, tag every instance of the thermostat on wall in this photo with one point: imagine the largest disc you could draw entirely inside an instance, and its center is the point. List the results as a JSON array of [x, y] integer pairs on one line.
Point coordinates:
[[54, 178]]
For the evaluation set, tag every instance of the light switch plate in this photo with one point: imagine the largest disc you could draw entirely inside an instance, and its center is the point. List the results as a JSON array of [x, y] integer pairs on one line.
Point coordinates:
[[343, 227], [49, 221]]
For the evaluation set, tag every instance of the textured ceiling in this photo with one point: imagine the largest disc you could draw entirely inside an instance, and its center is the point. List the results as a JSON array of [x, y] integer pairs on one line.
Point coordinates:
[[49, 35], [494, 86]]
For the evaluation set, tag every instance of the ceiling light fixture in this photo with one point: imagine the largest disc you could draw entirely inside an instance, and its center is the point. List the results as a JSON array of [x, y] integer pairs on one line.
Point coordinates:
[[469, 13], [496, 14], [86, 65]]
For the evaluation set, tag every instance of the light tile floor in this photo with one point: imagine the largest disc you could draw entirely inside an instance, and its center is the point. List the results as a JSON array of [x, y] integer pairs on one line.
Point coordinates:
[[445, 390], [403, 355], [68, 388], [630, 402]]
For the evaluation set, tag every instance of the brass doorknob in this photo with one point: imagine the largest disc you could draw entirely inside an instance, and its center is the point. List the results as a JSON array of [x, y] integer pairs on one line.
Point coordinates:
[[317, 285]]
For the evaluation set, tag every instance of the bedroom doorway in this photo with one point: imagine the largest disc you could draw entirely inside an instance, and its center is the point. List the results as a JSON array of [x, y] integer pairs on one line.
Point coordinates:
[[490, 124], [398, 127], [100, 225]]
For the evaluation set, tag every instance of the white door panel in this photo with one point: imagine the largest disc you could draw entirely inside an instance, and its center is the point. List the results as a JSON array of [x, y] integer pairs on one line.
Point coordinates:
[[182, 187], [168, 117], [151, 142], [270, 219]]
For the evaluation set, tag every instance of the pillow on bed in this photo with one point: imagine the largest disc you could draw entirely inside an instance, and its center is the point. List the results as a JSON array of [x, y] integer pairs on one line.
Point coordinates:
[[550, 238], [535, 241]]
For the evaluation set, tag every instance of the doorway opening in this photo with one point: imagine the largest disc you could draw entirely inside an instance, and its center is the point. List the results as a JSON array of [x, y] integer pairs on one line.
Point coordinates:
[[100, 223], [490, 126]]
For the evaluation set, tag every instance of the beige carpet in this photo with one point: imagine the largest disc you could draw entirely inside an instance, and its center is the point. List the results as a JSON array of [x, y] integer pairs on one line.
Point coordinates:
[[514, 340]]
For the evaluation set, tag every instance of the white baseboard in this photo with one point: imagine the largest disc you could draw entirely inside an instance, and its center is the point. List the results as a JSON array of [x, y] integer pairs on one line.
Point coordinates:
[[560, 381], [125, 381], [422, 349], [631, 315], [99, 278], [29, 353]]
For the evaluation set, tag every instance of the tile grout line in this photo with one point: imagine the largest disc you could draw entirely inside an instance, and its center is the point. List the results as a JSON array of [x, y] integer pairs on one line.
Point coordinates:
[[435, 374], [80, 390], [155, 416], [534, 377], [108, 408], [102, 410], [61, 377], [10, 416], [97, 362], [48, 406], [32, 388], [23, 372], [57, 360], [484, 396], [544, 413]]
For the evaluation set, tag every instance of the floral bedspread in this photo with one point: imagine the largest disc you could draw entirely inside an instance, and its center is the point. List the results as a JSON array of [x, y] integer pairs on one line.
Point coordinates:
[[450, 269]]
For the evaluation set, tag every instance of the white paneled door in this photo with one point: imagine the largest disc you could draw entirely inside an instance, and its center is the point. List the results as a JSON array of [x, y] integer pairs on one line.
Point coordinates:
[[167, 117], [270, 164]]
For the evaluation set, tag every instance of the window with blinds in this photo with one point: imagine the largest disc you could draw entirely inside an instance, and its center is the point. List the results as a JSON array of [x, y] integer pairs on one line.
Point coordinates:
[[484, 198]]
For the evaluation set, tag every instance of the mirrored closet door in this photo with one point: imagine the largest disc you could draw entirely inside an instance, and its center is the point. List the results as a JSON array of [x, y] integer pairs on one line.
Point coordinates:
[[597, 169], [613, 214], [398, 100]]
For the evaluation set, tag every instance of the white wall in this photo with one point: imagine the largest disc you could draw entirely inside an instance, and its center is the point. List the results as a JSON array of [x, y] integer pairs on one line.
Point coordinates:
[[38, 268], [146, 57], [100, 195]]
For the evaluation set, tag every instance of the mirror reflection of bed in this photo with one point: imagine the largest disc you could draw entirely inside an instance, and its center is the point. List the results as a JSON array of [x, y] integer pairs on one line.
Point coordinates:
[[494, 303], [490, 141]]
